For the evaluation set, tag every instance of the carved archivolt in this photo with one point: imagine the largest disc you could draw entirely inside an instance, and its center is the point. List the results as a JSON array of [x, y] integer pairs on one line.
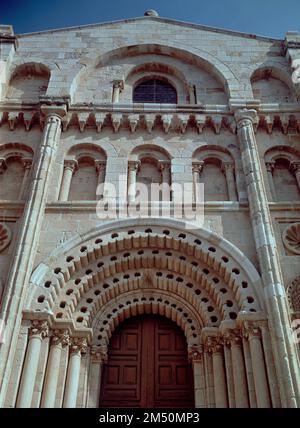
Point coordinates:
[[5, 236], [291, 238]]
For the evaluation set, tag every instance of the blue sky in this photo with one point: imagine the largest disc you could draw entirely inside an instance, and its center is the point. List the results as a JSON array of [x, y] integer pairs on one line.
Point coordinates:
[[263, 17]]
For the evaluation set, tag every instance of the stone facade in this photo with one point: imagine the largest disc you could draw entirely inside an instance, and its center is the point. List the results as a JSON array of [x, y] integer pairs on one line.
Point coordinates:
[[68, 277]]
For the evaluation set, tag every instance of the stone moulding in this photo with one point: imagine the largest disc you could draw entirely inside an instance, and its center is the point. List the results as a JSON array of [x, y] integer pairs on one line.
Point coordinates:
[[291, 238], [5, 236]]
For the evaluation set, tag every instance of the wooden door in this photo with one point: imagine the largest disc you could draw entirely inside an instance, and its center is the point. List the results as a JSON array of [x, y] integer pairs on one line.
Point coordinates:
[[147, 366]]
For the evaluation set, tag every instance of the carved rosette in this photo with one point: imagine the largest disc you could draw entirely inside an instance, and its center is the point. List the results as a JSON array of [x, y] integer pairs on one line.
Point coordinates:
[[291, 238], [5, 236]]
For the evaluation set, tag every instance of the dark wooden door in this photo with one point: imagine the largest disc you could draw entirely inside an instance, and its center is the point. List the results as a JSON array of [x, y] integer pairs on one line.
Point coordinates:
[[147, 366]]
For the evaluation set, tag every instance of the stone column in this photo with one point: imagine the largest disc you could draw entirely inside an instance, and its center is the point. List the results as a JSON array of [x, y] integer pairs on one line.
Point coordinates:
[[197, 357], [258, 365], [229, 374], [58, 341], [37, 332], [230, 180], [27, 163], [78, 347], [98, 358], [165, 168], [295, 166], [287, 367], [216, 349], [197, 169], [100, 169], [249, 372], [133, 167], [239, 373], [270, 169], [274, 391], [27, 240], [118, 86], [69, 168], [209, 378]]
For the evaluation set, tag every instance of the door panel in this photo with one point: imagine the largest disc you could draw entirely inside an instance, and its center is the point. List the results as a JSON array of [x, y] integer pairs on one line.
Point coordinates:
[[147, 366]]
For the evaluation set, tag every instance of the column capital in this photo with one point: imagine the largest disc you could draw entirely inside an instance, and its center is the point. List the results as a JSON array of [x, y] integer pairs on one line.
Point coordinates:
[[100, 165], [39, 328], [164, 165], [228, 166], [214, 344], [232, 337], [245, 117], [295, 166], [99, 354], [78, 345], [118, 83], [27, 163], [270, 166], [70, 164], [60, 337], [3, 165], [54, 110], [198, 166], [195, 353], [134, 165]]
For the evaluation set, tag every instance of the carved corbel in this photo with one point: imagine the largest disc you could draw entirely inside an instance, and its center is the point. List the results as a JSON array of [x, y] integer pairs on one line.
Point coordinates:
[[133, 120], [116, 119], [99, 119], [200, 122]]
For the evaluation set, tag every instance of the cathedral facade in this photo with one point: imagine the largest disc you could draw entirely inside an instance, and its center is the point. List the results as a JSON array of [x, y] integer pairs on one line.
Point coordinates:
[[102, 307]]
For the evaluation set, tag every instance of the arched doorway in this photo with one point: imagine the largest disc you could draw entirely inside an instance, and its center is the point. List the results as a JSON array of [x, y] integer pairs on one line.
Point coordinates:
[[147, 366]]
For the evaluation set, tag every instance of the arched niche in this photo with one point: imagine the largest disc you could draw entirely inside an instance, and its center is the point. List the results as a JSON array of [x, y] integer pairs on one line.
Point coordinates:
[[28, 82], [271, 85], [135, 62]]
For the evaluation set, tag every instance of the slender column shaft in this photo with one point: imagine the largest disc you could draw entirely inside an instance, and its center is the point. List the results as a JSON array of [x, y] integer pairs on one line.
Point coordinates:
[[98, 358], [37, 332], [71, 389], [249, 373], [230, 180], [197, 357], [287, 366], [26, 242], [27, 163], [219, 378], [132, 172], [239, 375], [197, 169], [165, 169], [259, 370], [296, 170], [274, 391], [58, 340], [117, 88], [270, 169], [210, 396], [69, 168], [229, 375]]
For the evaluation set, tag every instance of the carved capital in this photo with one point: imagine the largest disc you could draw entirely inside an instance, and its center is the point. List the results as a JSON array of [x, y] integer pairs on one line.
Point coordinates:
[[133, 165], [60, 337], [3, 166], [228, 166], [78, 345], [270, 166], [99, 354], [295, 167], [100, 166], [39, 329], [251, 329], [27, 163], [246, 117], [70, 164], [198, 167], [118, 84], [164, 166], [232, 337], [214, 344], [52, 111], [195, 353]]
